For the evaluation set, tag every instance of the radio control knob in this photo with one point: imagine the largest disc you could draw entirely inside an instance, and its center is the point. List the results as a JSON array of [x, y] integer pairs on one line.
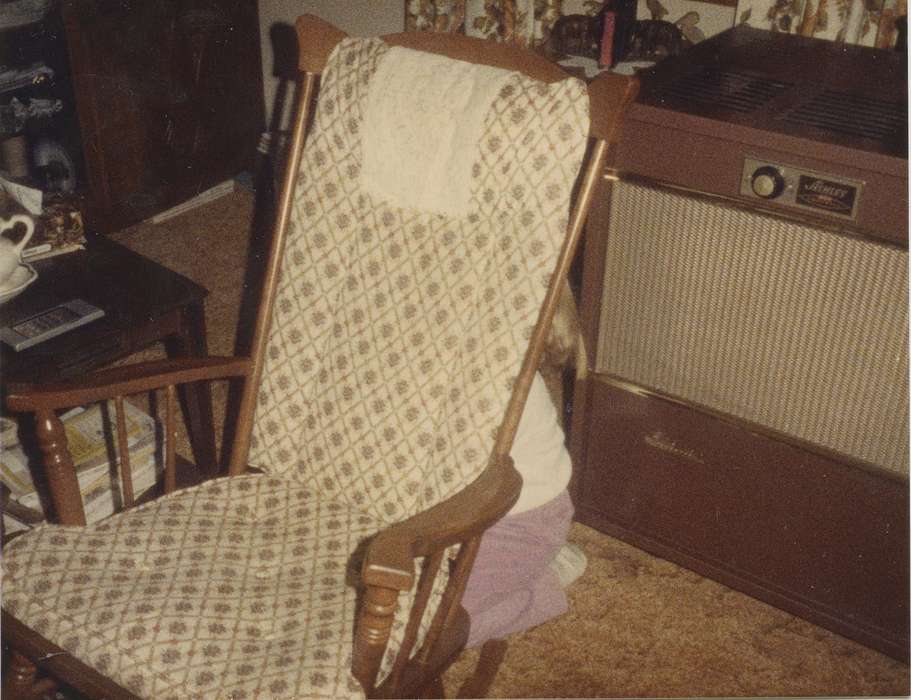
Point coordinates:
[[767, 182]]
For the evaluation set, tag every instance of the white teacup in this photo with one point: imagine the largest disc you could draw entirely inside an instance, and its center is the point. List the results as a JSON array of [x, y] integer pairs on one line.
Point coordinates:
[[11, 253]]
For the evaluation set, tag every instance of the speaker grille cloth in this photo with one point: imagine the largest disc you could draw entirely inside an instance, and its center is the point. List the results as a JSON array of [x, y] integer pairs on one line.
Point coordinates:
[[783, 325]]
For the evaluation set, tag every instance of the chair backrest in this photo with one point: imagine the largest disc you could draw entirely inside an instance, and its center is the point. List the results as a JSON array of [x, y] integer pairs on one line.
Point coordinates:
[[399, 337]]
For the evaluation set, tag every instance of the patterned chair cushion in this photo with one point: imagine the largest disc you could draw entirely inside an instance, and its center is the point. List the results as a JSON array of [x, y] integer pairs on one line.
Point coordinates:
[[238, 588], [399, 332], [398, 336]]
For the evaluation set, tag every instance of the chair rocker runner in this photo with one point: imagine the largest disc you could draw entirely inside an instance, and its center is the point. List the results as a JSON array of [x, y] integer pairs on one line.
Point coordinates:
[[396, 341]]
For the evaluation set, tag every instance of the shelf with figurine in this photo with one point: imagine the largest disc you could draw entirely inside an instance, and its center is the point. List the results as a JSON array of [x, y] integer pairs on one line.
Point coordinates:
[[625, 37], [633, 33], [41, 169]]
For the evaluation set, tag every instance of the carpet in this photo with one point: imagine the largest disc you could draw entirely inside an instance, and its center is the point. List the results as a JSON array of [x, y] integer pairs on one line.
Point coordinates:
[[638, 626]]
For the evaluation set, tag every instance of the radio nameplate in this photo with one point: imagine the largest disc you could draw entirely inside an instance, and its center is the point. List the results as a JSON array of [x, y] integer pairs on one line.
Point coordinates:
[[807, 190]]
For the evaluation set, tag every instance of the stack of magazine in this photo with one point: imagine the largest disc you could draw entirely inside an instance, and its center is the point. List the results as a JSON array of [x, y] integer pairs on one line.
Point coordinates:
[[93, 442]]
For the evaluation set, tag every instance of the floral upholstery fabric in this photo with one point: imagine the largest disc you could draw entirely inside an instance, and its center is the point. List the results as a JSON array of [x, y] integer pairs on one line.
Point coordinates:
[[238, 588], [233, 589], [522, 22], [397, 337], [843, 21]]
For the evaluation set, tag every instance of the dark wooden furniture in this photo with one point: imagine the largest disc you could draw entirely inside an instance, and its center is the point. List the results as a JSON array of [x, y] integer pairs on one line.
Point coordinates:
[[710, 431], [807, 534], [144, 303], [388, 567], [169, 99]]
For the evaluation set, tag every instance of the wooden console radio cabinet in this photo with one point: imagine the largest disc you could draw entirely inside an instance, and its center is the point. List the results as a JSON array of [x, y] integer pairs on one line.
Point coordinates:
[[744, 299]]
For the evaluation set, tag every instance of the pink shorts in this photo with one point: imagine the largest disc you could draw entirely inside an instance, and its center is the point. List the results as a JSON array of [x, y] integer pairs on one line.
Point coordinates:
[[511, 587]]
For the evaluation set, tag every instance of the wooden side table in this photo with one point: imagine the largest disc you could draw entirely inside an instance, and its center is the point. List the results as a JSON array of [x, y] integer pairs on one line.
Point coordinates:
[[144, 303]]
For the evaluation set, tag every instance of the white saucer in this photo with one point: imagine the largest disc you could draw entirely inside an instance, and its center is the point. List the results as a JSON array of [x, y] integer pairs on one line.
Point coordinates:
[[21, 278]]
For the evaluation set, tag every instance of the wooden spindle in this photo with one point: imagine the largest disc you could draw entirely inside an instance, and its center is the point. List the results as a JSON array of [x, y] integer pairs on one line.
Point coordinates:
[[250, 393], [126, 470], [372, 634], [452, 596], [170, 433], [425, 588], [59, 468]]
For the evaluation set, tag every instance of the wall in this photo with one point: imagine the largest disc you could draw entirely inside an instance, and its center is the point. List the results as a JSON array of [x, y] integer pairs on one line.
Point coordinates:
[[356, 17]]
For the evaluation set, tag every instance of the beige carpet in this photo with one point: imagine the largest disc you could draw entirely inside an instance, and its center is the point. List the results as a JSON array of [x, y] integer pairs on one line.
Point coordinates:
[[638, 626]]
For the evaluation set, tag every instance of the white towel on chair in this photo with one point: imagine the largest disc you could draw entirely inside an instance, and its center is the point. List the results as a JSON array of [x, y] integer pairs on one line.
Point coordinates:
[[425, 116]]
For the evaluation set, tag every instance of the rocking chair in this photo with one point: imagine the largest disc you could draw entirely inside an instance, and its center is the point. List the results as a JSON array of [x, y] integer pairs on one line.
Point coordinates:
[[392, 355]]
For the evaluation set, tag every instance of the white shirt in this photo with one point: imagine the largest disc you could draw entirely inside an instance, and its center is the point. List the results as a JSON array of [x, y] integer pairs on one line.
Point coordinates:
[[539, 451]]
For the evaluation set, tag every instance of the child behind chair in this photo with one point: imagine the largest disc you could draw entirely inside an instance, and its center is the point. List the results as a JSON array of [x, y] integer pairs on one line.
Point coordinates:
[[524, 562]]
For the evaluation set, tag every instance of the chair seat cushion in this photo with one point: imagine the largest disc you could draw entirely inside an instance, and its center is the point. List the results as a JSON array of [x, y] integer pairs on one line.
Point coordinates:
[[238, 588]]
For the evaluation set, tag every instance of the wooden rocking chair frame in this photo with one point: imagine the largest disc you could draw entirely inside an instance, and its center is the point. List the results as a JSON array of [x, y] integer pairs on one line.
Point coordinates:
[[388, 566]]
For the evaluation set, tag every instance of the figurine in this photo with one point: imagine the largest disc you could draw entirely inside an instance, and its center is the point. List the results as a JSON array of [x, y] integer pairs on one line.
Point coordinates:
[[576, 35], [653, 39]]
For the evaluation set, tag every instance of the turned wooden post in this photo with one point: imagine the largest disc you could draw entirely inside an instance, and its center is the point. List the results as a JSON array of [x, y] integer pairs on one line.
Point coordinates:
[[372, 634], [59, 469]]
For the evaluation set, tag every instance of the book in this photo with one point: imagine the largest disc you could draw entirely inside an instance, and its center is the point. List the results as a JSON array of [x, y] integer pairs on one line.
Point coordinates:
[[92, 438]]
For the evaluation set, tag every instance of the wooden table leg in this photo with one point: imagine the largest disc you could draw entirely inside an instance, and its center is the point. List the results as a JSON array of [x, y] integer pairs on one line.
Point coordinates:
[[196, 399]]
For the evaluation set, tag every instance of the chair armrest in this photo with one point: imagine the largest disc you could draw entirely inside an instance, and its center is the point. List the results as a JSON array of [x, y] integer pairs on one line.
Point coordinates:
[[389, 561], [388, 569], [128, 379]]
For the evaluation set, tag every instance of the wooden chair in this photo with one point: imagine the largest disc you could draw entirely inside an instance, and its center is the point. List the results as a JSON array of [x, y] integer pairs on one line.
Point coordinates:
[[328, 581]]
